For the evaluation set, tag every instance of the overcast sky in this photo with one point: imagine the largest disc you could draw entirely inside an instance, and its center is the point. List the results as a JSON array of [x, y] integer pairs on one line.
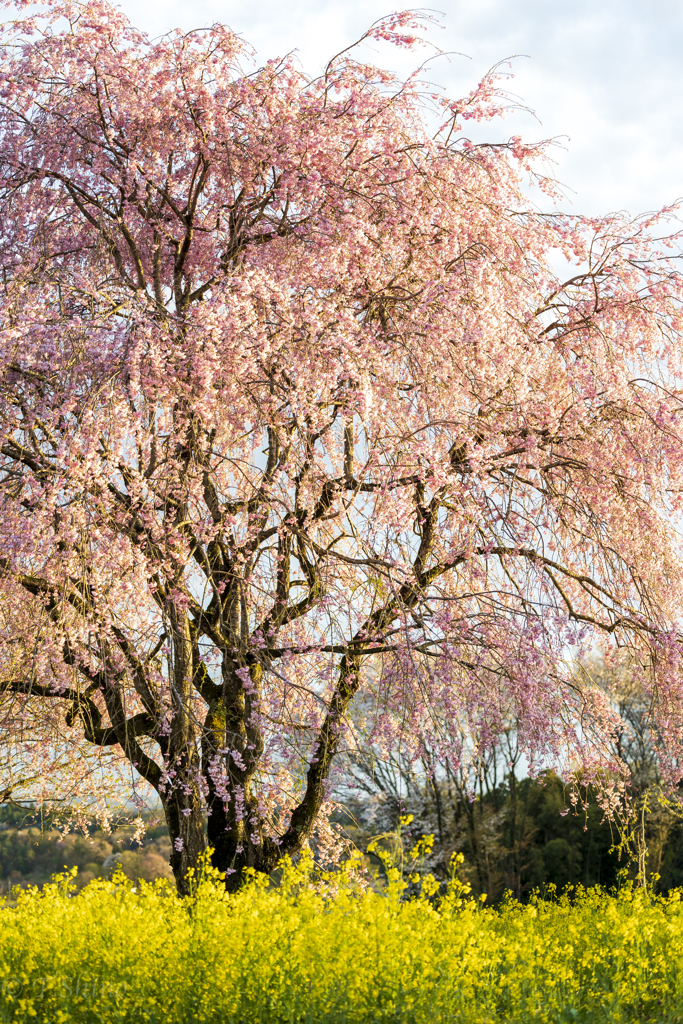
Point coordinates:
[[607, 74]]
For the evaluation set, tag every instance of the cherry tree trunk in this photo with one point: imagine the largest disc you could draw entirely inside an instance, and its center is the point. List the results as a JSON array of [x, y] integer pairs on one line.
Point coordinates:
[[184, 819]]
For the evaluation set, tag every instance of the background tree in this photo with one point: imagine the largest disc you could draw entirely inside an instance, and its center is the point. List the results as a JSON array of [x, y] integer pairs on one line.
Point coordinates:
[[288, 381], [649, 821], [516, 833], [519, 833]]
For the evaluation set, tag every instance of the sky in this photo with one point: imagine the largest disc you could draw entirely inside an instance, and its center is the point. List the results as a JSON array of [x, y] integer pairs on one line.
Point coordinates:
[[604, 75]]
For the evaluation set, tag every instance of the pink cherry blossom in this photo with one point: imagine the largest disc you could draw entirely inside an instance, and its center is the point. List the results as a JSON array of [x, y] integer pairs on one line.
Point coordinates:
[[303, 441]]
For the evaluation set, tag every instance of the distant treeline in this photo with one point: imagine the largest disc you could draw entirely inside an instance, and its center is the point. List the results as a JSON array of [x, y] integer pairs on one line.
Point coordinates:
[[32, 850], [516, 834]]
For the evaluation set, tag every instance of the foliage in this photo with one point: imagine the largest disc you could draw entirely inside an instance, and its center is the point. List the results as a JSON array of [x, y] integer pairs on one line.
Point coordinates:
[[516, 838], [31, 854], [519, 833], [295, 408], [329, 954]]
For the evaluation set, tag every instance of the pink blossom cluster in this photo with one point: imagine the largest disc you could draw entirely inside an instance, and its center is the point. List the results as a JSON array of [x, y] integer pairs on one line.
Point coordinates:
[[297, 421]]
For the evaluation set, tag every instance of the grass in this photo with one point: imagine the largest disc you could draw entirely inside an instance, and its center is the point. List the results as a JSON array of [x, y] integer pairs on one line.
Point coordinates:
[[326, 953]]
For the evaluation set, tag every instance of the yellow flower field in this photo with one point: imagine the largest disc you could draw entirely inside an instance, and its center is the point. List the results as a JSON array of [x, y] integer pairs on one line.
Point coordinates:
[[297, 953]]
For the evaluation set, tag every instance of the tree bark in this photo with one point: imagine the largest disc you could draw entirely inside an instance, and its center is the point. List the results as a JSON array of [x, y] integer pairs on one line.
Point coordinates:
[[186, 828]]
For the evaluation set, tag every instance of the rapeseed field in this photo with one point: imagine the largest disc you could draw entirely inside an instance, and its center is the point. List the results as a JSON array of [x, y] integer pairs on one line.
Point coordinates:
[[319, 950]]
